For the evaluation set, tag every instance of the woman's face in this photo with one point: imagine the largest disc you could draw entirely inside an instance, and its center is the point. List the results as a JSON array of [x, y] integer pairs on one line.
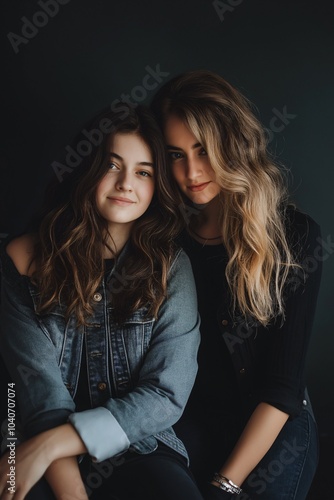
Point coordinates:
[[127, 189], [190, 163]]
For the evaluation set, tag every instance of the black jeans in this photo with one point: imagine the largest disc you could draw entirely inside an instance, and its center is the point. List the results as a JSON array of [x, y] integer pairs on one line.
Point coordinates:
[[160, 475]]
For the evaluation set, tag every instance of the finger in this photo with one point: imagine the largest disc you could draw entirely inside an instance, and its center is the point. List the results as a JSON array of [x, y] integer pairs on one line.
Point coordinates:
[[13, 493], [7, 490], [8, 495]]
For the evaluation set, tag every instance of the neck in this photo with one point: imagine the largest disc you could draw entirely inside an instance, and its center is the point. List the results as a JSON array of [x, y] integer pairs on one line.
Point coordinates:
[[119, 235], [205, 226]]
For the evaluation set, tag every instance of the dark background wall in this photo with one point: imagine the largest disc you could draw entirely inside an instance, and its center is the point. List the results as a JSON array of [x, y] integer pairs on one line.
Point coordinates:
[[66, 60]]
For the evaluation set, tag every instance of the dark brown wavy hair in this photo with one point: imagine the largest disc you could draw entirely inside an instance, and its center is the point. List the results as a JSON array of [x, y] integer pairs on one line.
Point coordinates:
[[68, 258]]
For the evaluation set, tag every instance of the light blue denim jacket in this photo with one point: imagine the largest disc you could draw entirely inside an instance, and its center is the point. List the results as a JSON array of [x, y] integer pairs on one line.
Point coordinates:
[[140, 373]]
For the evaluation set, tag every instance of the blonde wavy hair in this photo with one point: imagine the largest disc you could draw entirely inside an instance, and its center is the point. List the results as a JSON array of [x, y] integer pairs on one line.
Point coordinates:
[[253, 190]]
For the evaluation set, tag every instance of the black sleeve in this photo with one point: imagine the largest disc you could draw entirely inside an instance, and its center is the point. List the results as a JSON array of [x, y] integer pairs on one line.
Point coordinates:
[[284, 383]]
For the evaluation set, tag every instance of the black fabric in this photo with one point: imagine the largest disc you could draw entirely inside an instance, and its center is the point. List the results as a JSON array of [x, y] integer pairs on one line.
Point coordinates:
[[82, 398], [160, 475], [209, 442], [213, 493], [216, 389], [242, 363]]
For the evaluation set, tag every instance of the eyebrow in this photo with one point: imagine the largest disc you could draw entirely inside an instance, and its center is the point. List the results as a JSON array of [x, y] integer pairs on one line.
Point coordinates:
[[144, 163], [194, 146]]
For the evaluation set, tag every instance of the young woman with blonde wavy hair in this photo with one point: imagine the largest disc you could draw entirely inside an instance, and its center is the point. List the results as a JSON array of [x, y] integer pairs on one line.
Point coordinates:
[[101, 360], [249, 422]]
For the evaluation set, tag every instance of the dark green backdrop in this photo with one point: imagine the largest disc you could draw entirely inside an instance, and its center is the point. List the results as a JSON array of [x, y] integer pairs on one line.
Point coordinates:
[[65, 60]]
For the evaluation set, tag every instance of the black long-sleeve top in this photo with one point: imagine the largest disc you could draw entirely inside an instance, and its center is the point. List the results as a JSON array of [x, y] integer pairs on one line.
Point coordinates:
[[242, 363]]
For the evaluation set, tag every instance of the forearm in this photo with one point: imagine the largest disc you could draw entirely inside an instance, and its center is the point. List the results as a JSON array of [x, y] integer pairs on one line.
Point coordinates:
[[256, 439], [63, 442], [64, 478]]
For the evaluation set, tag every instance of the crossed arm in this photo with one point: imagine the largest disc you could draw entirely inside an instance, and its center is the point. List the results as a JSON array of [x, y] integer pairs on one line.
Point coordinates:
[[51, 453]]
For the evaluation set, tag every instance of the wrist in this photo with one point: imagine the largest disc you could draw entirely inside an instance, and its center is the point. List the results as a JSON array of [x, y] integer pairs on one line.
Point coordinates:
[[225, 484]]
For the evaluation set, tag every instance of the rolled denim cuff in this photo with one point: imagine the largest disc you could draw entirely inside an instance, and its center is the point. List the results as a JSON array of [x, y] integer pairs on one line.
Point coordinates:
[[101, 433]]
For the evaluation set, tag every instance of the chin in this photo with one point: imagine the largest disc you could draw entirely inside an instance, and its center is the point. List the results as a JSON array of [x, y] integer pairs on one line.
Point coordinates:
[[201, 200]]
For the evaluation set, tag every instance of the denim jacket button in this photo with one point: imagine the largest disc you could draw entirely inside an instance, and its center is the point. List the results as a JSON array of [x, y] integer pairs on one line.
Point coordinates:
[[97, 297], [242, 371], [224, 322], [102, 386], [304, 402]]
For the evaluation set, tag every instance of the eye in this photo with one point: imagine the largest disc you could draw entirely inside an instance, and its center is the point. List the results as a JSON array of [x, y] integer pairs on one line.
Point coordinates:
[[113, 166], [202, 152], [175, 155], [145, 173]]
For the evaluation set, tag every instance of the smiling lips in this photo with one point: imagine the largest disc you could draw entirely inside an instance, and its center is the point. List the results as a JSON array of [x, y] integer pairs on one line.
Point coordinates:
[[118, 200], [198, 187]]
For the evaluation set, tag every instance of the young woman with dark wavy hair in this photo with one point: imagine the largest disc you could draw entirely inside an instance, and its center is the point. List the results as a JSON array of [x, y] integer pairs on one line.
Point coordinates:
[[91, 331], [249, 421]]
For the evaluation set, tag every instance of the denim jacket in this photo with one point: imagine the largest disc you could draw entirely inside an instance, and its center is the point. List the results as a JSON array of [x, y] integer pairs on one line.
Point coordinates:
[[140, 373]]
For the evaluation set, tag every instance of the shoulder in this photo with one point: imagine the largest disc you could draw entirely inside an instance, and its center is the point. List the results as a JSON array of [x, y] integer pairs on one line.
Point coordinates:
[[303, 232], [179, 261], [299, 220], [21, 252], [300, 225], [180, 270]]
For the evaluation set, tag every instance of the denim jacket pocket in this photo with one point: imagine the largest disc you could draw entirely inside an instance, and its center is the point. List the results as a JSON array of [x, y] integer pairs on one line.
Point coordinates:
[[66, 337], [53, 324]]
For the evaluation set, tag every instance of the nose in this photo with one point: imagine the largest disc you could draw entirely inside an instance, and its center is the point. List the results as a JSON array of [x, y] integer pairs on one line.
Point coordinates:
[[194, 167], [124, 182]]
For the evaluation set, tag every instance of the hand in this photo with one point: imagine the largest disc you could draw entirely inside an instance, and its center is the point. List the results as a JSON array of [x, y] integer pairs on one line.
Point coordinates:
[[212, 492], [22, 468], [34, 456]]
